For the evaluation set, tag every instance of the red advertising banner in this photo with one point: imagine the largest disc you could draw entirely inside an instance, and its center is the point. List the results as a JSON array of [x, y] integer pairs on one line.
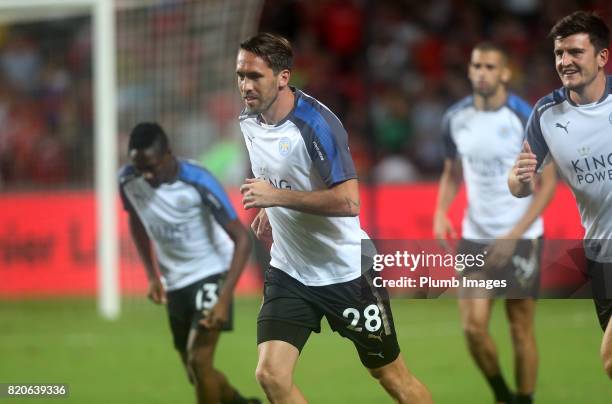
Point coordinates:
[[48, 239]]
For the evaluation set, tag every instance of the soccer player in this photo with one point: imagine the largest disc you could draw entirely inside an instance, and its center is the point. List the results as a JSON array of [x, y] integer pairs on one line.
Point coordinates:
[[572, 127], [482, 134], [307, 192], [180, 213]]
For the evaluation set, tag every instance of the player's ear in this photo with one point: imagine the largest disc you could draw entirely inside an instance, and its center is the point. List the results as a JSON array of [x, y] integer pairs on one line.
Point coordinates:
[[602, 58], [283, 78], [506, 74]]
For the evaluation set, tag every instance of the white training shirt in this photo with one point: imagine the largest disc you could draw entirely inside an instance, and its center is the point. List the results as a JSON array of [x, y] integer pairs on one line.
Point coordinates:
[[487, 142], [579, 140], [306, 151], [184, 220]]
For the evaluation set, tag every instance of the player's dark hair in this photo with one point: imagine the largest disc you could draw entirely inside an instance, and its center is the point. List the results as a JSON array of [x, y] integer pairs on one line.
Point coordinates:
[[488, 46], [274, 49], [583, 22], [148, 134]]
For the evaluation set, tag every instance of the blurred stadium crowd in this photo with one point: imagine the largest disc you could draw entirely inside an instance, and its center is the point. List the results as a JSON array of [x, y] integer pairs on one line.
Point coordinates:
[[45, 104], [388, 68], [391, 68]]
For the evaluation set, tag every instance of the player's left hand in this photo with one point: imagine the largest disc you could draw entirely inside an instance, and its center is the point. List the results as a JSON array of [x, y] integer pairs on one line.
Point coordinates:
[[217, 315], [257, 193], [525, 166], [500, 252]]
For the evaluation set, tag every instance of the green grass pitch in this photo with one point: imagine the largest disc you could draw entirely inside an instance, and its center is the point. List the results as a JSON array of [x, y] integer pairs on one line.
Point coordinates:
[[132, 360]]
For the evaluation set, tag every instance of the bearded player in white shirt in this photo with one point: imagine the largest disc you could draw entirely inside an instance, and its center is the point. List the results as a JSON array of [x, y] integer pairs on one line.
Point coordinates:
[[307, 192]]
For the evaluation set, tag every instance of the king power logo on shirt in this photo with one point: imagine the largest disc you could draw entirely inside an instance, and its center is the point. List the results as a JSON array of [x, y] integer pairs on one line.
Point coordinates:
[[591, 169], [278, 182], [170, 233]]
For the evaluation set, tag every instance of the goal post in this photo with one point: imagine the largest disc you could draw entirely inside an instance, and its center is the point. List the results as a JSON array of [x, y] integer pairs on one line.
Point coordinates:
[[105, 152]]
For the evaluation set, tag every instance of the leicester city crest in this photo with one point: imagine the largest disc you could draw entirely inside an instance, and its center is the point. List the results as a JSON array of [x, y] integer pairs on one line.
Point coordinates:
[[504, 131], [284, 146]]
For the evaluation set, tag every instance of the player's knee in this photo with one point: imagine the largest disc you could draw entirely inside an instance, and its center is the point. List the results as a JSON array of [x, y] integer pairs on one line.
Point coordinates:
[[389, 379], [608, 368], [400, 384], [521, 333], [475, 332], [607, 363], [200, 361], [271, 379]]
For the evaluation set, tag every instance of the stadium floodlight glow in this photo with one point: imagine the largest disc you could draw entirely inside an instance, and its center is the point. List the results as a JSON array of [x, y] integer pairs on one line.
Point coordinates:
[[105, 126]]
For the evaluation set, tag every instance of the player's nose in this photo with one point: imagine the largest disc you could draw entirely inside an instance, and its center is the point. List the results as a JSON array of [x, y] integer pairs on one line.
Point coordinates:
[[246, 85], [565, 59]]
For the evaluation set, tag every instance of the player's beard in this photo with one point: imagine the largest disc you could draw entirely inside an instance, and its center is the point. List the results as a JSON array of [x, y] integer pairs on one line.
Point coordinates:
[[579, 82], [263, 106], [486, 91]]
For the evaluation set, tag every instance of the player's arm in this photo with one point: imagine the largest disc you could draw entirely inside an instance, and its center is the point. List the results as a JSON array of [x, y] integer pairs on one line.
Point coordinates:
[[452, 176], [341, 199], [544, 184], [521, 176], [145, 251], [450, 181], [533, 154], [219, 205], [219, 313]]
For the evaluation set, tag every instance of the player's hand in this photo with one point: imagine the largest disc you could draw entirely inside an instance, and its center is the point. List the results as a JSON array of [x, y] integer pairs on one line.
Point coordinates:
[[217, 315], [156, 293], [443, 230], [261, 227], [525, 165], [257, 193], [501, 251]]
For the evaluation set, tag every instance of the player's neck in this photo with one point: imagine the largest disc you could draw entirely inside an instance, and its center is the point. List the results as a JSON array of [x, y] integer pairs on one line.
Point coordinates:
[[280, 108], [591, 92], [493, 102], [173, 169]]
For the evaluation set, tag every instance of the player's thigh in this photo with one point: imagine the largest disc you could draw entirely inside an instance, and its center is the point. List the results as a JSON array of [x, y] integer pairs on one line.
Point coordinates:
[[361, 312], [179, 309], [189, 305], [600, 275], [603, 308], [287, 313], [204, 294], [396, 370], [202, 341], [472, 278], [475, 313], [521, 312], [277, 358], [606, 343]]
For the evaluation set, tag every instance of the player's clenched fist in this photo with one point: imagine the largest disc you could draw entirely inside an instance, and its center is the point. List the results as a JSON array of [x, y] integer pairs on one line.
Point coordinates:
[[525, 166], [257, 193]]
